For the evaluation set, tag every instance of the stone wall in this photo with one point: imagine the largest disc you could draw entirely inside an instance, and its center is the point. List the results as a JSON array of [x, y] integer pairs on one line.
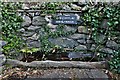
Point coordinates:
[[34, 22], [80, 39], [31, 27]]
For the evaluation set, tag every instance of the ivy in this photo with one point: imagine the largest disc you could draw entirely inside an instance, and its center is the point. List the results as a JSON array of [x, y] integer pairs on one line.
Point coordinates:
[[94, 17], [11, 23], [46, 46], [115, 62]]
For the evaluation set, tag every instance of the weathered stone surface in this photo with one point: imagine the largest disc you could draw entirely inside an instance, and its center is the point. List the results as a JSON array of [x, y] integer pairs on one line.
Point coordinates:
[[89, 41], [25, 6], [78, 55], [75, 73], [2, 43], [96, 73], [85, 8], [93, 47], [34, 37], [81, 47], [1, 70], [37, 14], [33, 28], [36, 44], [82, 29], [38, 21], [28, 34], [89, 44], [66, 7], [59, 74], [70, 28], [27, 20], [81, 41], [2, 59], [22, 30], [51, 26], [32, 14], [78, 36], [81, 74], [75, 7], [64, 42], [59, 64], [106, 50], [82, 3], [112, 44]]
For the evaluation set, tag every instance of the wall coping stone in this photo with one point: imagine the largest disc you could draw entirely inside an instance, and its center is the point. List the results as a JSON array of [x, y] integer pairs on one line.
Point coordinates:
[[60, 64]]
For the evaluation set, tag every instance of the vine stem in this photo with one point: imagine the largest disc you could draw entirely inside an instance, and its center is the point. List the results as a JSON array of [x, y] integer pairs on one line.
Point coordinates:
[[99, 45]]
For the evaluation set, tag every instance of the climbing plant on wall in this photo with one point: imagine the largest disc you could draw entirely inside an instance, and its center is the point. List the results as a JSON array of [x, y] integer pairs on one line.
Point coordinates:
[[103, 20], [46, 46], [10, 23]]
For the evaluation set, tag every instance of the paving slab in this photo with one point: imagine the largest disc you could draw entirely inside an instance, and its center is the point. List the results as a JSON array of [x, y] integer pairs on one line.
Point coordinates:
[[55, 74]]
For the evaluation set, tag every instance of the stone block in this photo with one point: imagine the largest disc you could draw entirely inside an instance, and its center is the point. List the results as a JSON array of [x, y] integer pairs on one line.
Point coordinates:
[[112, 45], [82, 29], [33, 28], [26, 20], [64, 42], [78, 36], [81, 47], [38, 21]]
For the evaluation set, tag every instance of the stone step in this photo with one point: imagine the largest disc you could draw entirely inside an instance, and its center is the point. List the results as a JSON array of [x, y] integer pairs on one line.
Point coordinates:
[[76, 73], [61, 74], [59, 64]]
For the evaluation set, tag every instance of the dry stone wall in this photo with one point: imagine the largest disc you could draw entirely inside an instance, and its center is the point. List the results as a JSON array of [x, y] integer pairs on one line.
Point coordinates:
[[34, 22], [31, 27]]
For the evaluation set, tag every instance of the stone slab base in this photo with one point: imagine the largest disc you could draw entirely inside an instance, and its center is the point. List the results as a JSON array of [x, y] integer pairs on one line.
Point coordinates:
[[59, 64]]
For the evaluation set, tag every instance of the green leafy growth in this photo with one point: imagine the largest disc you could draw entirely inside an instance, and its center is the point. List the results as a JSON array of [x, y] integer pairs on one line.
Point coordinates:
[[10, 23], [94, 18]]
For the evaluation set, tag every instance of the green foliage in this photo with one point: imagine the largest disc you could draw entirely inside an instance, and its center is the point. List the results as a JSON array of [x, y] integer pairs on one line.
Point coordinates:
[[10, 24], [115, 62], [94, 17], [51, 8], [46, 46], [29, 50]]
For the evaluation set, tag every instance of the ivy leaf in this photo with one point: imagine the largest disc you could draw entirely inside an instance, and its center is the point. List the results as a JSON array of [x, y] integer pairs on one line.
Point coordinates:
[[35, 49], [116, 22], [110, 24]]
